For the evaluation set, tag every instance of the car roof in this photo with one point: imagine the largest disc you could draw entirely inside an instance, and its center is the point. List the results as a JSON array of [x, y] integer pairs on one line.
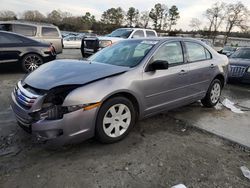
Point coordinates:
[[167, 38], [22, 22], [247, 48], [136, 28]]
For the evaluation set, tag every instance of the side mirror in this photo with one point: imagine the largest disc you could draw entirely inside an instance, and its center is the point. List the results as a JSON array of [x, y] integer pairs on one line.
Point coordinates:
[[158, 65]]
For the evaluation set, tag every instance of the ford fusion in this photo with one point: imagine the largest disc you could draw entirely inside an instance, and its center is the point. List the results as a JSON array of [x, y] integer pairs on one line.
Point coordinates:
[[68, 100]]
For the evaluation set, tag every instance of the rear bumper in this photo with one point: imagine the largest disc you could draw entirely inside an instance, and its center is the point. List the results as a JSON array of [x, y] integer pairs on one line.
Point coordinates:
[[49, 58], [73, 127]]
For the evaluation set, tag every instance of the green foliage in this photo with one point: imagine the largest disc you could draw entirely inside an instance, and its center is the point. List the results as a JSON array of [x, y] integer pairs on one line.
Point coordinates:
[[113, 16], [157, 14], [132, 16], [173, 16]]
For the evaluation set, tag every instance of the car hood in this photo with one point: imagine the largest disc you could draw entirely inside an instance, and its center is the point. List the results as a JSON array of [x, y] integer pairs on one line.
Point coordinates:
[[239, 61], [70, 72]]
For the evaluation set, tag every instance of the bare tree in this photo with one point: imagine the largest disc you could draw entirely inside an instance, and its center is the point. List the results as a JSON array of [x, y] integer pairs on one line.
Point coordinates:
[[195, 24], [237, 16], [6, 15], [55, 17], [33, 15], [216, 15]]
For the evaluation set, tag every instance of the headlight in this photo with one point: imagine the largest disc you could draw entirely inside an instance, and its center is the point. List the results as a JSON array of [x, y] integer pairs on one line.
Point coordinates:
[[104, 43], [248, 70]]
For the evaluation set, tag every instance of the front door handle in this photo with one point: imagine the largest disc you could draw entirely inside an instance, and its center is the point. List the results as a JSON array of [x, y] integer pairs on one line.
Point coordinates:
[[183, 72], [212, 66]]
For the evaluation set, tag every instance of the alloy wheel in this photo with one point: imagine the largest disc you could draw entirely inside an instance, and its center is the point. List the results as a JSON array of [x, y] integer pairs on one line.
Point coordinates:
[[32, 62], [215, 93]]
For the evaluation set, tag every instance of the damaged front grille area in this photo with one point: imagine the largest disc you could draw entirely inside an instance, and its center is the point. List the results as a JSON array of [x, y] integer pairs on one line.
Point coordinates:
[[24, 97]]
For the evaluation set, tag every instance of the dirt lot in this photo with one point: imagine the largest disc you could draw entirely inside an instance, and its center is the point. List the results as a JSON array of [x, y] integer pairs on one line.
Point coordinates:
[[161, 151]]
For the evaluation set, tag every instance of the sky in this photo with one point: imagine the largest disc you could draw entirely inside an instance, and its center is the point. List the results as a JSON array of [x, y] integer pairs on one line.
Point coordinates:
[[188, 8]]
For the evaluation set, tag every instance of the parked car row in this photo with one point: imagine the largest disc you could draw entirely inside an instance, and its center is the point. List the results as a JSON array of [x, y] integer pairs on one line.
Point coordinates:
[[31, 53], [91, 45], [74, 40]]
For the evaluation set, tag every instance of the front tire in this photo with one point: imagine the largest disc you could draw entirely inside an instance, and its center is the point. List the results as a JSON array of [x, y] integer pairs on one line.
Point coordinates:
[[30, 62], [213, 94], [115, 119]]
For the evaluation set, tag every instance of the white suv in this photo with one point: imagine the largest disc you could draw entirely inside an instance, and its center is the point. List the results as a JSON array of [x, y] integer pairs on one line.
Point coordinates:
[[91, 45]]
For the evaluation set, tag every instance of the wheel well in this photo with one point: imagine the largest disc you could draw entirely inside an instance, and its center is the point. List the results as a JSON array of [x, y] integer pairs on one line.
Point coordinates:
[[221, 78], [129, 96], [31, 53]]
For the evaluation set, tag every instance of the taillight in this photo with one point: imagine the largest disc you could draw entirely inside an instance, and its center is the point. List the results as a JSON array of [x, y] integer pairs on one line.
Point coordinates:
[[52, 49]]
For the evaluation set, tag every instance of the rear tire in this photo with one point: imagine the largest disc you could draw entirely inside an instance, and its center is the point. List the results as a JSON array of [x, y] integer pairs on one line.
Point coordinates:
[[115, 119], [213, 94], [30, 62]]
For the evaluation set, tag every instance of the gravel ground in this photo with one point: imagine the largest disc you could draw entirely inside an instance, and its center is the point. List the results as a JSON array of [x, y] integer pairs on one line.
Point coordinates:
[[161, 151]]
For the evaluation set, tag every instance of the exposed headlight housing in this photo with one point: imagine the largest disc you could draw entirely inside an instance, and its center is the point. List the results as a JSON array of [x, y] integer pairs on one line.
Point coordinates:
[[55, 112], [104, 43]]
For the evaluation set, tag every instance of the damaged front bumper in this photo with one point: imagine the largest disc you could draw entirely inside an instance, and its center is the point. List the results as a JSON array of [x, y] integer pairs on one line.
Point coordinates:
[[72, 127]]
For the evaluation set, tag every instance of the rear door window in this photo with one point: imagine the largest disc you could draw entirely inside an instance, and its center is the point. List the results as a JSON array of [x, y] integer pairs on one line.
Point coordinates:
[[196, 52], [138, 34], [150, 34], [25, 30], [50, 32]]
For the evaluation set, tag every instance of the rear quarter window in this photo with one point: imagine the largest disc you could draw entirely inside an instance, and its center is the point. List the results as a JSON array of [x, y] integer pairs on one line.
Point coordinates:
[[9, 39], [25, 30], [49, 32]]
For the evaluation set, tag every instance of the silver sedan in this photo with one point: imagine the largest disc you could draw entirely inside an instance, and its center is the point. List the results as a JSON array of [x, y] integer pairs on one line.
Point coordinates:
[[104, 96]]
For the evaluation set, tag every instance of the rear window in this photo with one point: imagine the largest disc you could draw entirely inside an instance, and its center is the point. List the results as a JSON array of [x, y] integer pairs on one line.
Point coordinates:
[[150, 33], [6, 27], [50, 32], [25, 30]]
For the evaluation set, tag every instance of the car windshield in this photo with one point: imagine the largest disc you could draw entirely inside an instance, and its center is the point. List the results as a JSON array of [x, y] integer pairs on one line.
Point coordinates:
[[124, 53], [241, 53], [229, 48], [123, 33]]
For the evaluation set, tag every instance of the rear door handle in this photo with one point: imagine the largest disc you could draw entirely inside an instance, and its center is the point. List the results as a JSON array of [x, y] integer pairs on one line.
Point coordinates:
[[183, 72]]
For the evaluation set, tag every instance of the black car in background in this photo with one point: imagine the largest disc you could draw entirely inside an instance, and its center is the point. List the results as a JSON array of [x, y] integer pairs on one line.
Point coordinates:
[[239, 63], [30, 54]]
